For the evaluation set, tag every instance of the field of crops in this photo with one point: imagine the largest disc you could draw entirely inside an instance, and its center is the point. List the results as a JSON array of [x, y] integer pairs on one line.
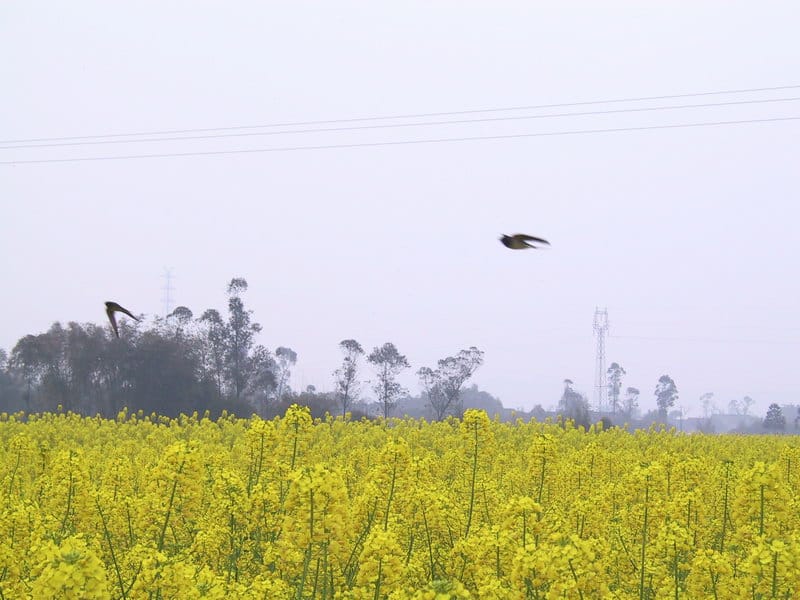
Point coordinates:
[[146, 507]]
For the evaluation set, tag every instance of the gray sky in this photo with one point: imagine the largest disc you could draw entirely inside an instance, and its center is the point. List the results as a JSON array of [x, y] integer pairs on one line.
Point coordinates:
[[688, 236]]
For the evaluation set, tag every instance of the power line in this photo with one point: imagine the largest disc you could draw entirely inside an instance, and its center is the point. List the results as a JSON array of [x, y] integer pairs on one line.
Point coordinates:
[[398, 125], [408, 116], [702, 340], [399, 142]]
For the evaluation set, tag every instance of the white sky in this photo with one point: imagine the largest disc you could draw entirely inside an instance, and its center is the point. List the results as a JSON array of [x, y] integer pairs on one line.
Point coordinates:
[[688, 236]]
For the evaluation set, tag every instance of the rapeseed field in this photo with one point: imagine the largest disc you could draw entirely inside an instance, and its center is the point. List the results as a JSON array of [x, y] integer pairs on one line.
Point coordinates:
[[143, 507]]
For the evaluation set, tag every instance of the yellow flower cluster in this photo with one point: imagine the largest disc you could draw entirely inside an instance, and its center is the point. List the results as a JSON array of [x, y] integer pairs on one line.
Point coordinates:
[[143, 507]]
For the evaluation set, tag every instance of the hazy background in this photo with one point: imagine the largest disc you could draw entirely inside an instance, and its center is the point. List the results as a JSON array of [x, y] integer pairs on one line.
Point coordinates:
[[688, 236]]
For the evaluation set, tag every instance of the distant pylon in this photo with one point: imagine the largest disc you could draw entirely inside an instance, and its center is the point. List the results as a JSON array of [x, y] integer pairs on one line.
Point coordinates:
[[600, 327], [167, 289]]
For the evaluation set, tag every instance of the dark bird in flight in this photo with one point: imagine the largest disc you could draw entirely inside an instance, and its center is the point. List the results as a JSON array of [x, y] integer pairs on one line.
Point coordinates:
[[111, 308], [520, 241]]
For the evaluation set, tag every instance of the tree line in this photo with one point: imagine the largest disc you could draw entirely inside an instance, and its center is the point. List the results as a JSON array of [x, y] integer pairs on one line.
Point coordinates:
[[183, 363]]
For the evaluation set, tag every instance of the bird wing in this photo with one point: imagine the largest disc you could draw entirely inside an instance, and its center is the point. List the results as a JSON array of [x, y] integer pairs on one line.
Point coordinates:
[[530, 238], [126, 311], [113, 319]]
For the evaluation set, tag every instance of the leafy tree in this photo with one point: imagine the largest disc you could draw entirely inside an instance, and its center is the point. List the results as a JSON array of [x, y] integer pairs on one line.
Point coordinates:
[[11, 390], [666, 393], [631, 402], [285, 359], [25, 361], [263, 381], [182, 315], [85, 348], [615, 373], [178, 364], [388, 364], [574, 405], [443, 386], [774, 419], [43, 361], [746, 403], [214, 348], [346, 376], [319, 404], [241, 332], [472, 397], [163, 375], [180, 319]]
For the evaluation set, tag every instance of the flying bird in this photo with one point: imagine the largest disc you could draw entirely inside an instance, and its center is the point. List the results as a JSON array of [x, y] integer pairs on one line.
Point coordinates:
[[520, 241], [111, 308]]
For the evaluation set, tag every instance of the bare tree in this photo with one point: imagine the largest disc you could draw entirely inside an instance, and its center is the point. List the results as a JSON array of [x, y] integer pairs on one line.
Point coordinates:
[[346, 376], [388, 363], [631, 401], [707, 400], [443, 386], [432, 390]]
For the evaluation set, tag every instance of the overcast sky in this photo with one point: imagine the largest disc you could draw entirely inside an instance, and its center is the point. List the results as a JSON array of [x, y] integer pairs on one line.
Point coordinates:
[[688, 235]]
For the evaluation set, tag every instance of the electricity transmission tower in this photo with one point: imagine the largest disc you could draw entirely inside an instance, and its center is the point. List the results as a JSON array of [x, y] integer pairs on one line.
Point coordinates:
[[600, 327], [167, 289]]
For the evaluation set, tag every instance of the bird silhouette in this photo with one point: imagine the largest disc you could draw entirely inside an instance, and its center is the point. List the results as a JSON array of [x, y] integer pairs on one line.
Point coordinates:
[[113, 307], [520, 241]]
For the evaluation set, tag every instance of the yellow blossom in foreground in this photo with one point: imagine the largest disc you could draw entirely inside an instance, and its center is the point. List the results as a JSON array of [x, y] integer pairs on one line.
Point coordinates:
[[143, 506]]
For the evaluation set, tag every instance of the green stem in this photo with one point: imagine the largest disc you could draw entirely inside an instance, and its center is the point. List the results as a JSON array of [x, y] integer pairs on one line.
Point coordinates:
[[169, 508], [130, 525], [378, 581], [306, 560], [498, 573], [675, 567], [575, 577], [524, 527], [111, 548], [713, 583], [725, 508], [69, 495], [294, 448], [316, 579], [541, 481], [774, 574], [13, 475], [644, 537], [391, 494], [472, 484], [410, 548], [430, 545]]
